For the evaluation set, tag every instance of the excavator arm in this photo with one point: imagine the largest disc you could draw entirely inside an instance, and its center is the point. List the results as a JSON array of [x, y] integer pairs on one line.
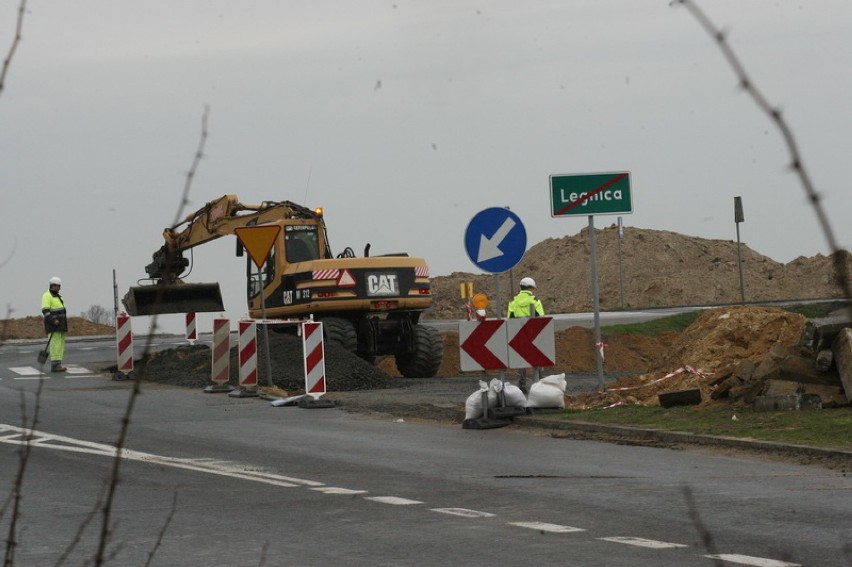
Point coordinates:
[[167, 292]]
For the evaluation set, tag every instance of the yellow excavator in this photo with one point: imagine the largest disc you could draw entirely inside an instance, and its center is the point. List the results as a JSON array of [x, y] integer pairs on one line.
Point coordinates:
[[369, 305]]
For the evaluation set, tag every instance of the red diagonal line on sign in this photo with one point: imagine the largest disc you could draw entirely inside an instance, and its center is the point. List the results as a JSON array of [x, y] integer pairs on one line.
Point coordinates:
[[319, 387], [309, 328], [522, 342], [474, 345], [221, 349], [247, 352], [591, 194], [314, 358]]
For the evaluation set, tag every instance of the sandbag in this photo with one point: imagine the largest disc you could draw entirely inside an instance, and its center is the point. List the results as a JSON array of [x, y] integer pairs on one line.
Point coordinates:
[[473, 404], [514, 396], [549, 392]]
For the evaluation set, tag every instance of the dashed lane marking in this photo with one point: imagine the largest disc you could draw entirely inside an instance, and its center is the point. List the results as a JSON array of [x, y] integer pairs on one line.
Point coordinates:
[[463, 512], [545, 527], [337, 490], [13, 435], [642, 542], [753, 561], [395, 500]]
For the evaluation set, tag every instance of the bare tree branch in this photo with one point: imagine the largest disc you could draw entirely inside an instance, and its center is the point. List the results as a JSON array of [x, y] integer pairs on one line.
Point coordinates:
[[106, 512], [797, 164], [11, 253], [18, 28], [23, 460]]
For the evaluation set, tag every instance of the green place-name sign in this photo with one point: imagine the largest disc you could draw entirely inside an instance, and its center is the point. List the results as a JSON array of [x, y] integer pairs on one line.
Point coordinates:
[[590, 194]]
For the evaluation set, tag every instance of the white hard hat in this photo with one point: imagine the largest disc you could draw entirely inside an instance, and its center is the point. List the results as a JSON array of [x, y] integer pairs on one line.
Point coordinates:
[[527, 282], [55, 281]]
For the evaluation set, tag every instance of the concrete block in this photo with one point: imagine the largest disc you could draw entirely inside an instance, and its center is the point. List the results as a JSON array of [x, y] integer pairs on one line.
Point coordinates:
[[780, 388], [794, 402], [831, 396], [769, 368], [825, 360], [747, 391], [820, 333], [723, 390], [680, 398], [746, 370], [802, 369], [842, 348]]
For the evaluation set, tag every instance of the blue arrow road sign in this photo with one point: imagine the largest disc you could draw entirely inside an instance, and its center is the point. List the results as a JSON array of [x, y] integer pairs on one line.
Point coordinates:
[[495, 240]]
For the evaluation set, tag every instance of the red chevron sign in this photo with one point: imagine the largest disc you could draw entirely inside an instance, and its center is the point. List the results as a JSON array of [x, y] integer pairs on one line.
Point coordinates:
[[531, 342], [482, 345], [498, 344]]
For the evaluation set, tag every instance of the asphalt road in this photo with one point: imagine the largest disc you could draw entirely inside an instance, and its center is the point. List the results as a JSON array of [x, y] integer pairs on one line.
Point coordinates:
[[218, 480]]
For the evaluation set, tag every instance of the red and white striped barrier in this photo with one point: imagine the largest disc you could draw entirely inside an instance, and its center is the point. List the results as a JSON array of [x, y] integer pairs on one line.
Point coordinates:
[[221, 363], [191, 330], [248, 357], [314, 354], [124, 343]]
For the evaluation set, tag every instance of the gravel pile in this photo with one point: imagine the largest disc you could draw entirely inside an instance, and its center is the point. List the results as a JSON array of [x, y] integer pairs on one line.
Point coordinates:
[[190, 366]]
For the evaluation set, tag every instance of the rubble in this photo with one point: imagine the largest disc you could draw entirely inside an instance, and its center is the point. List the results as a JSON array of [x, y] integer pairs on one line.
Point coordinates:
[[739, 355]]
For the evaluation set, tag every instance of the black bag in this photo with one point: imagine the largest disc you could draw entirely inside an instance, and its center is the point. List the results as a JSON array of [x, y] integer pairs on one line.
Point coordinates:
[[44, 354]]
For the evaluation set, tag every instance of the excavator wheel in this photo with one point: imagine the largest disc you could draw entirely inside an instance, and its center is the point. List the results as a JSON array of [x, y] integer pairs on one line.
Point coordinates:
[[340, 332], [426, 358]]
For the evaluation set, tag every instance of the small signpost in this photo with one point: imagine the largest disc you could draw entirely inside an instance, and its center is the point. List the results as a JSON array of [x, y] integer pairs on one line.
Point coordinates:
[[592, 194], [258, 241], [495, 240]]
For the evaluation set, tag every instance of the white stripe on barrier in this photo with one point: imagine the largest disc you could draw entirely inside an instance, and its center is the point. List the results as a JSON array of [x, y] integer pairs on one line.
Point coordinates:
[[124, 343], [314, 355], [191, 330], [248, 355], [221, 366]]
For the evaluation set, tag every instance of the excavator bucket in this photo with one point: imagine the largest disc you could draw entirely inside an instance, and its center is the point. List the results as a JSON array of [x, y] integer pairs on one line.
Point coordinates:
[[160, 299]]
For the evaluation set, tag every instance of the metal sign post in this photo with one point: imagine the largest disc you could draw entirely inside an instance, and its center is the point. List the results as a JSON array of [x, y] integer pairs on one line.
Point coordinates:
[[738, 218], [259, 240], [592, 194], [596, 304]]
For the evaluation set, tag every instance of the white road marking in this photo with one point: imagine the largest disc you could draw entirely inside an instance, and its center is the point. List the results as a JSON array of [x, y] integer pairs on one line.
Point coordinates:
[[463, 512], [544, 527], [27, 372], [395, 500], [38, 439], [642, 542], [754, 561], [336, 490], [14, 435]]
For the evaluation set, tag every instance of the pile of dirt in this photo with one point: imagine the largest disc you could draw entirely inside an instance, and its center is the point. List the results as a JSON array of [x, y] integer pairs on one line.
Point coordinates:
[[718, 342], [189, 366], [658, 268]]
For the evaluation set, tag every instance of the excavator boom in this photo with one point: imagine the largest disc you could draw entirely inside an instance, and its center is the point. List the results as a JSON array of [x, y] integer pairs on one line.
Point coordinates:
[[168, 293]]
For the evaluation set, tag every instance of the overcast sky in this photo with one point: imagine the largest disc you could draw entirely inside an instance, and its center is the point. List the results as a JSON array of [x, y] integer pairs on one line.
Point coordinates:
[[403, 120]]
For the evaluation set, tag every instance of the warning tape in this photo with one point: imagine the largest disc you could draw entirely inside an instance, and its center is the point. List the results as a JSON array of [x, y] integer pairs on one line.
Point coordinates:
[[680, 370]]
